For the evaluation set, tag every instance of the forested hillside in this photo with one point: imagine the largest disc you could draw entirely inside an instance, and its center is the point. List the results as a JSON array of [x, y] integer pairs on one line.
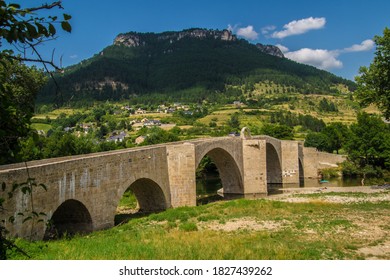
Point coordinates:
[[188, 67]]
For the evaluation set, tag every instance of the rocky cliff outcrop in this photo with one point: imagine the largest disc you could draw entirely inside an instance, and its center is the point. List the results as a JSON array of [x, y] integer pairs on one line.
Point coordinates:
[[270, 49], [134, 39]]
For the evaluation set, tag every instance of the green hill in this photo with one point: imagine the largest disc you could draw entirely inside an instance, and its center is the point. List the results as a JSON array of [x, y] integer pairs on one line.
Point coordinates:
[[191, 64]]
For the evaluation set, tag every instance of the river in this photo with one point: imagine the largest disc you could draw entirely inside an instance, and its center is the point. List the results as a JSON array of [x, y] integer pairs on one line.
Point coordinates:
[[207, 190]]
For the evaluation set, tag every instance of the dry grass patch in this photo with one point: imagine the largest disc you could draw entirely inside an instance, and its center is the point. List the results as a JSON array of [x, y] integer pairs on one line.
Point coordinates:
[[248, 224]]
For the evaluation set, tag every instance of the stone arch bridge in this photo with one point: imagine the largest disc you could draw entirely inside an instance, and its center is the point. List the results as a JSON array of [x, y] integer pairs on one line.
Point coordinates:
[[83, 191]]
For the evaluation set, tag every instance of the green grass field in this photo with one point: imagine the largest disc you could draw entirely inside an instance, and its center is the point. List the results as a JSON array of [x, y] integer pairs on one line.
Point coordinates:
[[239, 229], [41, 126]]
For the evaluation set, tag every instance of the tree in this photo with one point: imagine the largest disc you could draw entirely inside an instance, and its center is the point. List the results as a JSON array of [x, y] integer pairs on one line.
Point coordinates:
[[337, 134], [373, 84], [317, 140], [19, 85], [22, 29], [234, 122], [369, 143], [25, 30], [156, 135], [279, 131]]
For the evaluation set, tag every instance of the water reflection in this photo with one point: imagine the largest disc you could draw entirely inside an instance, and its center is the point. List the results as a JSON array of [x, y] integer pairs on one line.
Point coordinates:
[[315, 183], [209, 190]]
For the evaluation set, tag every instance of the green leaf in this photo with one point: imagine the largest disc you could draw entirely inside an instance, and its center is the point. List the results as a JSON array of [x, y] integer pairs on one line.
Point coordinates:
[[26, 219], [41, 29], [12, 35], [52, 29], [15, 186], [43, 186], [66, 26], [31, 30], [26, 190], [14, 5], [67, 17]]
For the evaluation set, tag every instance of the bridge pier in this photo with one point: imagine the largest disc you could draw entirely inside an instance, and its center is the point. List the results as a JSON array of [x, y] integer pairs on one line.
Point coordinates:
[[181, 173], [290, 163], [254, 168]]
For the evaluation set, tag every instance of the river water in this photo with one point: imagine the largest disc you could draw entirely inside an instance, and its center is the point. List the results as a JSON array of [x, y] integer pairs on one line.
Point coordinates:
[[209, 189]]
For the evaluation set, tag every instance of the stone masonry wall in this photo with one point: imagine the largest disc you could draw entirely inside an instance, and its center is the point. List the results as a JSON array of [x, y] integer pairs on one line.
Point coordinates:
[[290, 163], [181, 170], [255, 169]]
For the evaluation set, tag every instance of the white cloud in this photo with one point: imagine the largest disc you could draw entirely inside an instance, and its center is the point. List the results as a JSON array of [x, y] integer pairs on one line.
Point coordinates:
[[323, 59], [301, 26], [247, 33], [282, 48], [73, 56], [267, 29], [366, 45]]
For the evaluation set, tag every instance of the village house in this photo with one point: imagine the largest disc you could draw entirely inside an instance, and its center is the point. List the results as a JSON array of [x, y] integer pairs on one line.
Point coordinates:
[[140, 139], [140, 111], [152, 123], [170, 110], [117, 137]]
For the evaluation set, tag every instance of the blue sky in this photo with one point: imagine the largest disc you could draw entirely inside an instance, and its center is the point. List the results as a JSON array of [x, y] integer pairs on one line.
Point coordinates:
[[331, 35]]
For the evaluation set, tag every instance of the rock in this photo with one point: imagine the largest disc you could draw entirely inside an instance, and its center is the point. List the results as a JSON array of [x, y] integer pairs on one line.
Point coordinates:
[[134, 39], [270, 49]]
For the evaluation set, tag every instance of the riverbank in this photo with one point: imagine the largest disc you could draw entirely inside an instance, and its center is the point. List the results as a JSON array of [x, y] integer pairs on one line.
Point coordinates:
[[374, 229], [327, 223], [378, 193]]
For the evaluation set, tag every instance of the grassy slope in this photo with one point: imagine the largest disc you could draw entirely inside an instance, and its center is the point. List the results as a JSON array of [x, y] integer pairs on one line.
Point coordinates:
[[267, 230]]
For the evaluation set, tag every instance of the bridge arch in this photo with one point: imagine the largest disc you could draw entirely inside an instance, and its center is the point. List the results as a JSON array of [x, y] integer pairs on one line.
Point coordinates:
[[228, 169], [274, 165], [71, 217], [301, 172], [150, 196]]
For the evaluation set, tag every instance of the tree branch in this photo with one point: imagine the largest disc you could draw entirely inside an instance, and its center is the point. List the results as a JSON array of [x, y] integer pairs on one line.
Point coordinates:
[[44, 7], [44, 62]]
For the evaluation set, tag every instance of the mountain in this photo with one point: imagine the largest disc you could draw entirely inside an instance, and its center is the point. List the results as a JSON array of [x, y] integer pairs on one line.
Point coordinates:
[[175, 63]]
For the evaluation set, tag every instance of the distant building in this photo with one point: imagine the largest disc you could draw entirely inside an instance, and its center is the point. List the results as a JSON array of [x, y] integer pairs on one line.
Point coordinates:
[[117, 137], [86, 127], [234, 134], [238, 104], [152, 123], [170, 110], [140, 111], [140, 139]]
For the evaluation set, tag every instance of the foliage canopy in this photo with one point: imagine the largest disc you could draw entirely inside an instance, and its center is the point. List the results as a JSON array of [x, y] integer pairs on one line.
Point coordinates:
[[374, 81]]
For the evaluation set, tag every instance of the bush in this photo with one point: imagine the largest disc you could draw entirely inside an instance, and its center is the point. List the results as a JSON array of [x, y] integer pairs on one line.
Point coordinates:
[[333, 172]]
